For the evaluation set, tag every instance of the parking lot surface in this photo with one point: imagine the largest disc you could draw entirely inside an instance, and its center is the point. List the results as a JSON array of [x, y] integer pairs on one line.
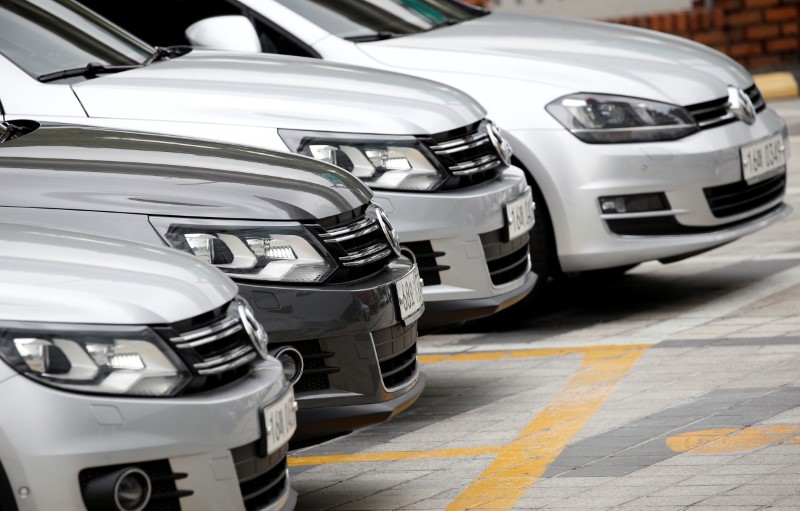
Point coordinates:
[[675, 386]]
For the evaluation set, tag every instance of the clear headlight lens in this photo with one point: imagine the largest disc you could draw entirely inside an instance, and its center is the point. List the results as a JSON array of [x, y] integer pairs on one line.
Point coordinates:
[[381, 162], [607, 119], [250, 250], [129, 360]]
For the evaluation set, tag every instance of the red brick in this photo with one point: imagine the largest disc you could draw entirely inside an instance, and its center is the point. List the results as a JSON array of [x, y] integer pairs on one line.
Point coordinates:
[[729, 5], [782, 45], [736, 35], [682, 23], [781, 14], [715, 37], [763, 32], [667, 23], [718, 18], [654, 23], [744, 49], [789, 29], [763, 62], [741, 19], [695, 21], [760, 3]]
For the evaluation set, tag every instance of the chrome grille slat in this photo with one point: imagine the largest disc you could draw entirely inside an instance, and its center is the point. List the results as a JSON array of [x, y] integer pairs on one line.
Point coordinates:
[[206, 340], [371, 228], [235, 353], [468, 154], [474, 163], [377, 247], [444, 146], [203, 332], [231, 365], [723, 118], [371, 259], [355, 226]]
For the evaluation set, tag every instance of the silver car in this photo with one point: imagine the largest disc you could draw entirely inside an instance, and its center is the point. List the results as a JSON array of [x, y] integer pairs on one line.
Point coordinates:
[[100, 409], [638, 145]]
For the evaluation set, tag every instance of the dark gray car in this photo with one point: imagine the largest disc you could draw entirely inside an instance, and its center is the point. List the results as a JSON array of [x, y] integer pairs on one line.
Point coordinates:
[[318, 261]]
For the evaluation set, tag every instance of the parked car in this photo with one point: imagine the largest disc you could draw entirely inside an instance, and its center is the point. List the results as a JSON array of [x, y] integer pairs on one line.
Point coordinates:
[[109, 401], [316, 259], [639, 146], [439, 169]]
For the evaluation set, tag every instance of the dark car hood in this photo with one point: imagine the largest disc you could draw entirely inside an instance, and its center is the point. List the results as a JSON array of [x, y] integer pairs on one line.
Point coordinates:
[[97, 169]]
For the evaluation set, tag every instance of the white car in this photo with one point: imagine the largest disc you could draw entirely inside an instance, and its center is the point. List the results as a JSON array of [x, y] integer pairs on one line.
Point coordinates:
[[438, 167], [102, 410], [638, 145]]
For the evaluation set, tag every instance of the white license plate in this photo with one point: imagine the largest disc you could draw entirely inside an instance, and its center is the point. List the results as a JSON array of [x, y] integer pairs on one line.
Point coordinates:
[[409, 293], [763, 158], [279, 422], [519, 215]]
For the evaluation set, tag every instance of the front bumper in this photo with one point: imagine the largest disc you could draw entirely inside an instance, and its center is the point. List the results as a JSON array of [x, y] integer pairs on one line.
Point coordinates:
[[357, 352], [573, 176], [458, 227], [48, 437]]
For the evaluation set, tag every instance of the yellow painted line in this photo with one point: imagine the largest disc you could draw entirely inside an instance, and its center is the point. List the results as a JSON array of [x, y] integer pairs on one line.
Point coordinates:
[[777, 85], [724, 440], [521, 463], [515, 354], [394, 456]]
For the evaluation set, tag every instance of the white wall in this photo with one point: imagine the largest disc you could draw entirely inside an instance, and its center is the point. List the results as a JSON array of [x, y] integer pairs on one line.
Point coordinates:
[[598, 9]]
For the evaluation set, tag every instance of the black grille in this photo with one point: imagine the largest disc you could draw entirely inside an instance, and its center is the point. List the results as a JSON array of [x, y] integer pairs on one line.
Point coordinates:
[[396, 347], [359, 244], [425, 258], [507, 260], [315, 370], [468, 155], [165, 495], [737, 198], [711, 114], [262, 481], [668, 226], [215, 346]]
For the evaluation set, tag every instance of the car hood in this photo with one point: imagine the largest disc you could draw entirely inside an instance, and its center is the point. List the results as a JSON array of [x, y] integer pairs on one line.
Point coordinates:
[[58, 276], [278, 92], [97, 169], [572, 56]]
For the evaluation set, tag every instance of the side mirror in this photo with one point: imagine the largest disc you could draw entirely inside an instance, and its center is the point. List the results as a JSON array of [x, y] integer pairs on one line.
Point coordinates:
[[232, 33]]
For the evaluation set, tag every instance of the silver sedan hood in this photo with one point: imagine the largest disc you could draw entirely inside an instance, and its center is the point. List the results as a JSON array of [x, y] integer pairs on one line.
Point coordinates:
[[65, 277], [278, 92], [569, 54]]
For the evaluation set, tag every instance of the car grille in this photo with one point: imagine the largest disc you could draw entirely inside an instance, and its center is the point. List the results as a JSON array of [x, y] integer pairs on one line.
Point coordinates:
[[262, 481], [507, 260], [468, 155], [711, 114], [165, 494], [737, 198], [315, 369], [215, 346], [425, 257], [359, 245], [396, 347]]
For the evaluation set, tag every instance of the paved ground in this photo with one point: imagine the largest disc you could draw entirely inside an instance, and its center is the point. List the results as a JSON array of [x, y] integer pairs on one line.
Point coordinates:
[[675, 386]]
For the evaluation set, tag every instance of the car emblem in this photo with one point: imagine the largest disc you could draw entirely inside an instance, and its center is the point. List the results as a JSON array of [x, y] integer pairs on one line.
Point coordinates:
[[500, 144], [740, 105], [258, 336], [388, 230]]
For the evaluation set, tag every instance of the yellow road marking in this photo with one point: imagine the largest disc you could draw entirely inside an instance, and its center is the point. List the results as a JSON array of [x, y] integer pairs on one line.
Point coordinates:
[[521, 463], [716, 441]]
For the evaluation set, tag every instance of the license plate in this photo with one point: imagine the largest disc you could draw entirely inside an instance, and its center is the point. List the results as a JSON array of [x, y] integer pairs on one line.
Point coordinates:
[[279, 422], [409, 293], [763, 158], [519, 216]]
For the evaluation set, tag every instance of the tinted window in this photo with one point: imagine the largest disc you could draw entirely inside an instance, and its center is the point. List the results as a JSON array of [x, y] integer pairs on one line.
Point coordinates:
[[364, 18], [42, 36]]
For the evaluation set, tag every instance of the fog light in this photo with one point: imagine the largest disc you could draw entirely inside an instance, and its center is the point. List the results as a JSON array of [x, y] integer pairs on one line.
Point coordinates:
[[292, 362], [127, 489], [638, 203]]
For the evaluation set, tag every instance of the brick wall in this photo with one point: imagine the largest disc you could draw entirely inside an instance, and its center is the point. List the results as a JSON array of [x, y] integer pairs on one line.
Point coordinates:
[[761, 34]]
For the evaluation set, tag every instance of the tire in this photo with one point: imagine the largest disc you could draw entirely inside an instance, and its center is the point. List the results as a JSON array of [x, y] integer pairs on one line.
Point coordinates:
[[544, 258]]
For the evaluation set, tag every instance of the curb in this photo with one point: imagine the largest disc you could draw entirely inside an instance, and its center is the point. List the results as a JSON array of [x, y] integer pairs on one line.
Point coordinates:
[[778, 85]]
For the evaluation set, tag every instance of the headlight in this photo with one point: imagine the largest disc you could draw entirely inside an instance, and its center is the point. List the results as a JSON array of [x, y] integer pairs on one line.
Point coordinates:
[[606, 119], [381, 162], [250, 250], [131, 360]]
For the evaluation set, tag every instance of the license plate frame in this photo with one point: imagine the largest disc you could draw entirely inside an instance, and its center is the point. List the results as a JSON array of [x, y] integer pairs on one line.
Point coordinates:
[[518, 216], [763, 159]]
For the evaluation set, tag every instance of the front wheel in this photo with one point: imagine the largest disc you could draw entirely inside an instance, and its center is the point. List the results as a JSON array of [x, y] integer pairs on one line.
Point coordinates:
[[544, 258]]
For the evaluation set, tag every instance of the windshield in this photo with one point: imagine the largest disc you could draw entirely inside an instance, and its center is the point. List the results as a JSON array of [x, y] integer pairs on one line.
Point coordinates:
[[362, 19], [43, 36]]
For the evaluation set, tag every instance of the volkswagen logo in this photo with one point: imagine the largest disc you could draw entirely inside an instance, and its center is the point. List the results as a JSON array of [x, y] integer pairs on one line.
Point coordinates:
[[386, 226], [254, 329], [740, 105], [500, 144]]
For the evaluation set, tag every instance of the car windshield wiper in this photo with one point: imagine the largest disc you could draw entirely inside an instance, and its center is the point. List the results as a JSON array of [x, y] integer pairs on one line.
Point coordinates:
[[90, 70], [377, 36], [167, 52]]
